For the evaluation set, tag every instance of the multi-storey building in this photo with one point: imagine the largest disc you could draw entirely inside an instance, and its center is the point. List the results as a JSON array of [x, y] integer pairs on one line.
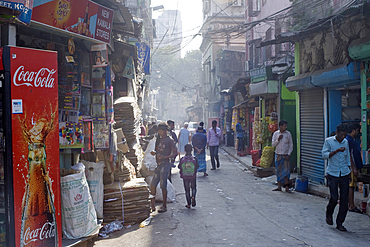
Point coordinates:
[[169, 32], [220, 40]]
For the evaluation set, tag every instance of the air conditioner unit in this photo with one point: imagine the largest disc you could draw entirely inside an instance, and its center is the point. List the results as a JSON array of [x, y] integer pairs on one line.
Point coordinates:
[[237, 2]]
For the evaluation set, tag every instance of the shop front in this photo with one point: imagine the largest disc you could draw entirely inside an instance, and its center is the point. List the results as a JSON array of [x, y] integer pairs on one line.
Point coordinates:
[[78, 114], [266, 88], [359, 50], [326, 98]]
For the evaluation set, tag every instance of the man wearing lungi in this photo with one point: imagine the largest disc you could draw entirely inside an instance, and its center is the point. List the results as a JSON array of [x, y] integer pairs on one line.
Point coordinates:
[[199, 142], [282, 140]]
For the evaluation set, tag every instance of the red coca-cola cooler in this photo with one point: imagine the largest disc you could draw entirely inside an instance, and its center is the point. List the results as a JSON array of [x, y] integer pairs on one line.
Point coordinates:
[[30, 210]]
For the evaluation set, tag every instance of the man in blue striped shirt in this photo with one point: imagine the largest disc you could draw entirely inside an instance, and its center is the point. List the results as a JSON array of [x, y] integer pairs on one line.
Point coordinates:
[[336, 151]]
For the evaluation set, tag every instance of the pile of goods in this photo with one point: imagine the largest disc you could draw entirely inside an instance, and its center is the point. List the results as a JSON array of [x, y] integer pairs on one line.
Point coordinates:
[[127, 115], [129, 201], [257, 130], [125, 171], [267, 157]]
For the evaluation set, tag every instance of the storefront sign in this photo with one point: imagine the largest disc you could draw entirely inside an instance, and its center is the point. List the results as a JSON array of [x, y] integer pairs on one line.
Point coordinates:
[[143, 57], [83, 17], [261, 74], [22, 7]]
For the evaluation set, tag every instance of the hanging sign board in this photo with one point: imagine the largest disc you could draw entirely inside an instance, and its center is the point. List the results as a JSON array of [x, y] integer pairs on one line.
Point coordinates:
[[22, 8], [82, 17], [143, 57]]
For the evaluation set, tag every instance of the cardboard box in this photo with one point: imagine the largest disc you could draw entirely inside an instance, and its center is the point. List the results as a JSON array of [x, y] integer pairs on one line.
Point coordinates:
[[121, 141], [100, 155]]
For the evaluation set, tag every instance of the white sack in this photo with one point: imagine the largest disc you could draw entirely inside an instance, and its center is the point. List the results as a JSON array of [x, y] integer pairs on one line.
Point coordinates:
[[94, 175], [171, 193], [78, 212]]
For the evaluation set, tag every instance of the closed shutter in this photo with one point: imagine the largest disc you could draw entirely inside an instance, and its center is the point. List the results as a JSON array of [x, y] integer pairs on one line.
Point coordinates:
[[312, 134]]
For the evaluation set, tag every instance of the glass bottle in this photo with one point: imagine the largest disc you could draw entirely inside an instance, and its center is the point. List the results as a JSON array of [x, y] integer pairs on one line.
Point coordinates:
[[39, 226]]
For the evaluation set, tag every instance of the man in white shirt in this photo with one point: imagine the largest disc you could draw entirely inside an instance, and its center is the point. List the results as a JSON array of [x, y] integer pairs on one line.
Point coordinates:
[[282, 140]]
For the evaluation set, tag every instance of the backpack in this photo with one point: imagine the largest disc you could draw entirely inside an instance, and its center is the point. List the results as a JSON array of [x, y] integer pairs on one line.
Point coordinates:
[[187, 165]]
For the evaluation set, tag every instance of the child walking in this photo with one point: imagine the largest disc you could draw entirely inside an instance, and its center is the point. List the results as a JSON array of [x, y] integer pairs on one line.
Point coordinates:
[[188, 172]]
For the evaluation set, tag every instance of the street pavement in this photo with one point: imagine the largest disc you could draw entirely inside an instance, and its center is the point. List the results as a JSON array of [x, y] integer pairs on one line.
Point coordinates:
[[235, 208]]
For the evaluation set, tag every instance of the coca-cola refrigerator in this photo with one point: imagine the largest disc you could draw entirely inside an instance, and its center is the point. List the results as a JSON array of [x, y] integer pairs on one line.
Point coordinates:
[[30, 210]]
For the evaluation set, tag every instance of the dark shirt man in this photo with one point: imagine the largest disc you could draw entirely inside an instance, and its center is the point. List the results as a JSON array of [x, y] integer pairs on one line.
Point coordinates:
[[199, 142], [336, 151], [240, 134], [165, 149], [355, 152]]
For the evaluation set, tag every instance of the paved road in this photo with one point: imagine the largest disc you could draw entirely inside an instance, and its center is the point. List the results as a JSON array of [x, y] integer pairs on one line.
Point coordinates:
[[234, 208]]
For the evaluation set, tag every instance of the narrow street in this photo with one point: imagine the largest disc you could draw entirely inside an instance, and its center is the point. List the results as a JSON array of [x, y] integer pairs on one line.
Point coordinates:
[[235, 208]]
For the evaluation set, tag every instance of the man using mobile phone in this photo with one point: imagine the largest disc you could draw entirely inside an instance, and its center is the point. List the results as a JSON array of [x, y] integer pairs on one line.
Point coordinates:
[[336, 151]]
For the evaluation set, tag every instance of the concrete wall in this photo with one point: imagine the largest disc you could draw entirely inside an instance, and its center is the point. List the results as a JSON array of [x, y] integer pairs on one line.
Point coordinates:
[[329, 47]]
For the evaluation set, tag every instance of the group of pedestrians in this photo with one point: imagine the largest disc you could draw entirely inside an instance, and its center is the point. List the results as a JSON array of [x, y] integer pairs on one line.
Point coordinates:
[[343, 154], [166, 153]]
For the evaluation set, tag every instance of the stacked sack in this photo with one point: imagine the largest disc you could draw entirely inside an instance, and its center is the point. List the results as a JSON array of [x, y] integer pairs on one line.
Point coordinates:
[[267, 157]]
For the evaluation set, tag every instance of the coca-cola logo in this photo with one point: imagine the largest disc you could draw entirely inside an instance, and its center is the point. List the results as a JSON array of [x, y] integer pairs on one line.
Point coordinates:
[[78, 197], [41, 78], [45, 232]]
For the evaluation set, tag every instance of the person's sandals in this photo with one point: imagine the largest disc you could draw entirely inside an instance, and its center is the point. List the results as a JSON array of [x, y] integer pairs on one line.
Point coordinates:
[[277, 189], [187, 206], [193, 203], [205, 174], [355, 210], [162, 209]]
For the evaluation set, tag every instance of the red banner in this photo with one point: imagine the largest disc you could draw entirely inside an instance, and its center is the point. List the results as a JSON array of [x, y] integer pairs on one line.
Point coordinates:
[[35, 143], [78, 16]]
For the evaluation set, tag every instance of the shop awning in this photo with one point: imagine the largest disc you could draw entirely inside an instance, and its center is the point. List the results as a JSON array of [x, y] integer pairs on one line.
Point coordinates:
[[299, 82], [360, 48], [332, 77], [244, 102], [264, 87], [337, 76]]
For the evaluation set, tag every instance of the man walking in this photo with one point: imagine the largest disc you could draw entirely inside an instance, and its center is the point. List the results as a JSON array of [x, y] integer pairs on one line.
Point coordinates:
[[240, 134], [199, 142], [355, 151], [282, 140], [213, 141], [165, 149], [336, 151]]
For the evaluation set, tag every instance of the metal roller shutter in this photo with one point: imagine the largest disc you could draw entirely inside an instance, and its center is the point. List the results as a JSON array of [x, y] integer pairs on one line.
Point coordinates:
[[312, 134]]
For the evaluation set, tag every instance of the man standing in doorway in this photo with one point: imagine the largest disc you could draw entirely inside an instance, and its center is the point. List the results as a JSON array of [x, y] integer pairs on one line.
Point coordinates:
[[336, 151], [355, 151], [165, 150], [240, 134], [282, 140], [213, 141]]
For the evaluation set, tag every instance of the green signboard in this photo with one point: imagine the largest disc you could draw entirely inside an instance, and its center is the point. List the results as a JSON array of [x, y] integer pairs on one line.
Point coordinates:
[[261, 74]]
